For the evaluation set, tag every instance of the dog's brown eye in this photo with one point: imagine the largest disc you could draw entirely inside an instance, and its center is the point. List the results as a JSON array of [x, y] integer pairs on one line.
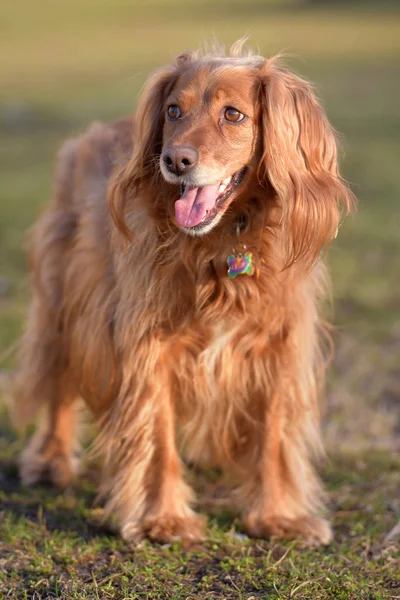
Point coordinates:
[[174, 112], [233, 115]]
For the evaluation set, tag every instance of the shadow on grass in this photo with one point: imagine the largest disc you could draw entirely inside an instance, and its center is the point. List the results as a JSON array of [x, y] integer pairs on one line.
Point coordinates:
[[73, 509], [59, 510]]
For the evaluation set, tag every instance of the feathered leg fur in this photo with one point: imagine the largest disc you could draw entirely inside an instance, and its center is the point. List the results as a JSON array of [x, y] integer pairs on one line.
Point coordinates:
[[142, 478], [44, 386], [283, 496]]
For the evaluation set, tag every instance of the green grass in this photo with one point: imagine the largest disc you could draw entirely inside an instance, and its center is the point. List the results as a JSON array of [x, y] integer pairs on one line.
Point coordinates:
[[58, 546], [66, 63]]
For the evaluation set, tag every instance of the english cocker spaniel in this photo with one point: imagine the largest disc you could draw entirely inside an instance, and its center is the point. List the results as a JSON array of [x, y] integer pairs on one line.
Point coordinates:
[[177, 277]]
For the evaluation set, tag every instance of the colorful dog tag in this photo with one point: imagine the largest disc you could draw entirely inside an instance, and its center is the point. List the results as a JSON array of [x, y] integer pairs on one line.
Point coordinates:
[[240, 264]]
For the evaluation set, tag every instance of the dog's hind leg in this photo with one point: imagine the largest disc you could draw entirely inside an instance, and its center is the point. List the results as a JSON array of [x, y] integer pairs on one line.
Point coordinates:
[[52, 452], [43, 386], [44, 391]]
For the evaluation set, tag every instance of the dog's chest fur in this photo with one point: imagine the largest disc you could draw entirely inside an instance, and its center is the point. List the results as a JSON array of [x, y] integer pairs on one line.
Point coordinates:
[[217, 380]]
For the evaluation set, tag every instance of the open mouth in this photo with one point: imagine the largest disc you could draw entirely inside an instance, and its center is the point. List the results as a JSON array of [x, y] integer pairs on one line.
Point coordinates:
[[198, 206]]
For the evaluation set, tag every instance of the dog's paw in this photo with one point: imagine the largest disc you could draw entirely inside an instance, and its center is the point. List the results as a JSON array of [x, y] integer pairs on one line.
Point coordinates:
[[314, 531], [166, 528], [47, 460]]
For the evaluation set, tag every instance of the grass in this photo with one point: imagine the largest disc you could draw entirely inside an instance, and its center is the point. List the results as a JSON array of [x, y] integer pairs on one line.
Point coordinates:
[[65, 64], [56, 546]]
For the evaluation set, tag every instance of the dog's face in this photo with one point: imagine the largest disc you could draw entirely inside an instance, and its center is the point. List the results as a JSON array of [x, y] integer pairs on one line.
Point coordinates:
[[209, 142]]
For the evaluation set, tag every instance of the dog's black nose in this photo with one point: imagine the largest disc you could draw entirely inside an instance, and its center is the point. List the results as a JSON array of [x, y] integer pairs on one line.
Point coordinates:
[[179, 159]]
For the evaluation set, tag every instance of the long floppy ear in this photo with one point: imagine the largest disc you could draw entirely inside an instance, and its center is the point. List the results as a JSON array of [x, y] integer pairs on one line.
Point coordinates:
[[147, 142], [300, 161]]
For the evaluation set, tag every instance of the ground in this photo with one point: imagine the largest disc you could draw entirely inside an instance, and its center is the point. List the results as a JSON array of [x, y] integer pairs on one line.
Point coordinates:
[[65, 64], [58, 546]]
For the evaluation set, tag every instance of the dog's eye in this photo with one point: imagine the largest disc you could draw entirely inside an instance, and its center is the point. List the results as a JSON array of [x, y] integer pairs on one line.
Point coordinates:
[[174, 112], [233, 115]]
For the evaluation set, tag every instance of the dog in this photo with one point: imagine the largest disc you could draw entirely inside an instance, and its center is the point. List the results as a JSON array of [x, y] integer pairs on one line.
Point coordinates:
[[177, 279]]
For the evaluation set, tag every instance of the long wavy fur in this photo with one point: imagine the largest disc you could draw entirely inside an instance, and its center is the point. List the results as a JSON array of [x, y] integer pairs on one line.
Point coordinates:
[[142, 321]]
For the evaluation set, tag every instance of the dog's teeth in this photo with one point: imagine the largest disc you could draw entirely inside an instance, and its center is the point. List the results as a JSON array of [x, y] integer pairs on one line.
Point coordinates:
[[226, 181], [222, 187]]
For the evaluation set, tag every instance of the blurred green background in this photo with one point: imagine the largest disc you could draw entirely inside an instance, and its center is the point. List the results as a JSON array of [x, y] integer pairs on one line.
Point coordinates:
[[66, 63]]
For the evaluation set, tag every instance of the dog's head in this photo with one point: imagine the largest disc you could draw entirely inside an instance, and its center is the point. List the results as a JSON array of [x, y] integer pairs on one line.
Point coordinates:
[[214, 125], [210, 137]]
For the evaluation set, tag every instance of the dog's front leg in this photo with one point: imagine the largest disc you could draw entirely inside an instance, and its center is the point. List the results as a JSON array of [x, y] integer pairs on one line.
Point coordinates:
[[142, 478], [282, 495]]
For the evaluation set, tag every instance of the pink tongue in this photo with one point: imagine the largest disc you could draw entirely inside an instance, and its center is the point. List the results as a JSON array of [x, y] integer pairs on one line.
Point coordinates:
[[191, 209]]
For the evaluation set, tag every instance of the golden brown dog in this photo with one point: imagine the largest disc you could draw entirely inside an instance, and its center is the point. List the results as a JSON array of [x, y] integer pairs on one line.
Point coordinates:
[[229, 158]]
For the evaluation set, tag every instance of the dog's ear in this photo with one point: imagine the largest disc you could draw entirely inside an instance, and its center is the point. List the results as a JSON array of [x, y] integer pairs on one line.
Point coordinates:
[[300, 161], [148, 129]]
